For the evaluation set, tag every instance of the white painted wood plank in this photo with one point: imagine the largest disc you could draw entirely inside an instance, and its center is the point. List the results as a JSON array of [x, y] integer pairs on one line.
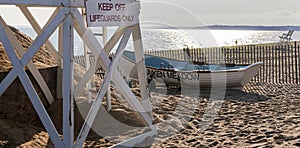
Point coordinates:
[[45, 33], [77, 3], [32, 2], [87, 66], [91, 42], [5, 83], [92, 113], [37, 104], [131, 98], [81, 29], [114, 39], [95, 47], [52, 23], [42, 37], [141, 68], [103, 89], [108, 94], [135, 140], [68, 77], [108, 99], [105, 37], [36, 74], [89, 39], [60, 65], [87, 62], [40, 109], [43, 3], [38, 29], [12, 75]]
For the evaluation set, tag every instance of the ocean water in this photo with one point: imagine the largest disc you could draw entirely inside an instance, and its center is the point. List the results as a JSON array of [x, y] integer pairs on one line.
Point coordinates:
[[165, 39]]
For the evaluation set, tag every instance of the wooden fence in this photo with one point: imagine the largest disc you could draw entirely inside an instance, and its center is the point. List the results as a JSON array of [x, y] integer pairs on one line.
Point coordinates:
[[281, 61], [80, 59]]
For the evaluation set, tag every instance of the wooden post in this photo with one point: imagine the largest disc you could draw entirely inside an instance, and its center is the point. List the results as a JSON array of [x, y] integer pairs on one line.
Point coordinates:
[[262, 51], [275, 64], [296, 63], [298, 58], [60, 65], [282, 64], [68, 96], [289, 70], [140, 61], [260, 59], [87, 63], [279, 64], [108, 96]]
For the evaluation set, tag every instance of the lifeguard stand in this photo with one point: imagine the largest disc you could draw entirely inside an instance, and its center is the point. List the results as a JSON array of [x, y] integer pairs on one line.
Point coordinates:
[[67, 18]]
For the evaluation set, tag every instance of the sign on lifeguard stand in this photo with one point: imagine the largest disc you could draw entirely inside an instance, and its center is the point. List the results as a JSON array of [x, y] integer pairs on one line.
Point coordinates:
[[112, 12], [125, 14], [68, 19]]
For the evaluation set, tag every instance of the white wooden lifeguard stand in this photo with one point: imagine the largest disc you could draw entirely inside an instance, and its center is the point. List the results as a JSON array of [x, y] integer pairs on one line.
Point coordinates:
[[68, 18]]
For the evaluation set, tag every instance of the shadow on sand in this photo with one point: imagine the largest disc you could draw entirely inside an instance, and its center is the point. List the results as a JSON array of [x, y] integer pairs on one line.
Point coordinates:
[[227, 94]]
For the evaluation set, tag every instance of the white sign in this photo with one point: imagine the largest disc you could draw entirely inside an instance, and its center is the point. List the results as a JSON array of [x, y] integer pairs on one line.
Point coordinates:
[[112, 12]]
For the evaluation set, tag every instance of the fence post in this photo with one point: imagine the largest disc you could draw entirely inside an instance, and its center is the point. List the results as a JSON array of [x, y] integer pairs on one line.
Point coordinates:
[[276, 64], [296, 59], [186, 54], [289, 70], [285, 64], [270, 66]]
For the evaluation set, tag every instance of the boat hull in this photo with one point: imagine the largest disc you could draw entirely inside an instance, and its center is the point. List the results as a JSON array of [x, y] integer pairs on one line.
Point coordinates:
[[227, 78]]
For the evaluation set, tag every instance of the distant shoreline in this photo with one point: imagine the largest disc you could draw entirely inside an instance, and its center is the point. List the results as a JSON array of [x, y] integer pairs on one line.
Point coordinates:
[[230, 27], [216, 27]]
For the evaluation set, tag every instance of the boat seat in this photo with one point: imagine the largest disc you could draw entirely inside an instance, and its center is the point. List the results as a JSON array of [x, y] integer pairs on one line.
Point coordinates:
[[227, 64], [197, 63]]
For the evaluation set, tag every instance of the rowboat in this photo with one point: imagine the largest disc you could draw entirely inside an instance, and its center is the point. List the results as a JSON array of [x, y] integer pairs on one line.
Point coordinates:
[[190, 74]]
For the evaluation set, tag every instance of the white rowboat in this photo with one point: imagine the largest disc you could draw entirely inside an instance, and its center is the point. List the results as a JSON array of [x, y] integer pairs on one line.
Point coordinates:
[[180, 73]]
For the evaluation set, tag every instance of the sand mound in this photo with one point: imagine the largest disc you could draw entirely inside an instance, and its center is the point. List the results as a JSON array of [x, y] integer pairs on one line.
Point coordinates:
[[19, 123], [42, 58]]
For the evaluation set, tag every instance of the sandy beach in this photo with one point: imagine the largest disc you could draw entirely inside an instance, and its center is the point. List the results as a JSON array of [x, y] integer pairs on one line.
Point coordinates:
[[260, 115]]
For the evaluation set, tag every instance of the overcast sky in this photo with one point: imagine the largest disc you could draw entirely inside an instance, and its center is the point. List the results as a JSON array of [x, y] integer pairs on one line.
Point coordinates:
[[241, 12], [197, 12]]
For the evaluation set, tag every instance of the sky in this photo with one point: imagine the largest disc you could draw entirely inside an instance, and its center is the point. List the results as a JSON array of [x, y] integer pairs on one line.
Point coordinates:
[[234, 12], [194, 12]]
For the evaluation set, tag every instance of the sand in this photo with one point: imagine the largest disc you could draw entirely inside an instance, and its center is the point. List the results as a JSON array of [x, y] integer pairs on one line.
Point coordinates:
[[260, 115], [264, 115]]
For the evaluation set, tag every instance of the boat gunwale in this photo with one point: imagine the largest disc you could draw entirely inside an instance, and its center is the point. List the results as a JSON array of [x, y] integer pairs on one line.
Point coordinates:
[[200, 71]]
